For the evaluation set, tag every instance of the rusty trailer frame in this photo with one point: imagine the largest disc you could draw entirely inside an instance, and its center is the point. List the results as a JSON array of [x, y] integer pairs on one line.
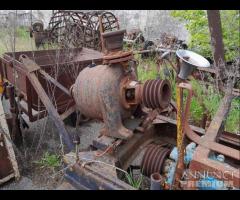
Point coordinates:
[[48, 61]]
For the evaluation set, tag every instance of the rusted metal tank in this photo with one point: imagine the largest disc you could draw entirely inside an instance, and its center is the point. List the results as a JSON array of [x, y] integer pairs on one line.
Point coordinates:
[[96, 93], [111, 91]]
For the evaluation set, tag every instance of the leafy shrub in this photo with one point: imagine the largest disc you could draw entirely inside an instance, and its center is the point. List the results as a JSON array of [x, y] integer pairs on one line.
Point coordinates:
[[196, 23]]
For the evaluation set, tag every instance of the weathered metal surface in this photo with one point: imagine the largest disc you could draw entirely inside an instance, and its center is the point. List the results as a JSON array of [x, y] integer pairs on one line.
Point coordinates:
[[66, 186], [208, 144], [49, 78], [52, 111], [71, 28], [93, 173], [214, 23], [62, 65], [182, 120], [214, 129], [15, 133], [156, 94], [127, 153], [154, 158], [8, 163], [201, 163], [113, 41], [228, 138], [117, 57], [96, 93], [5, 163], [156, 181]]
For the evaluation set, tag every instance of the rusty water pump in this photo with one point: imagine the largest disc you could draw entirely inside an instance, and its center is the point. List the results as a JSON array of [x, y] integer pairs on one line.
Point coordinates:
[[111, 91]]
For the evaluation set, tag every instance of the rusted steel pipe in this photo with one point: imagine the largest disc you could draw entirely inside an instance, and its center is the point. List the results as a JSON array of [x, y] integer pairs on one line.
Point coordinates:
[[156, 180], [157, 50], [182, 120]]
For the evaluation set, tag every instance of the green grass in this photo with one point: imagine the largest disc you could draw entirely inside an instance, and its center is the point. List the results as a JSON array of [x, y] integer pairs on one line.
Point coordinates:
[[48, 160], [233, 119], [23, 42], [206, 101], [134, 182], [146, 68]]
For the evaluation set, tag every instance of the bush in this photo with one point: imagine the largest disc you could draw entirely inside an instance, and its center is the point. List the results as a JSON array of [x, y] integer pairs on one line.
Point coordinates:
[[197, 25], [21, 32]]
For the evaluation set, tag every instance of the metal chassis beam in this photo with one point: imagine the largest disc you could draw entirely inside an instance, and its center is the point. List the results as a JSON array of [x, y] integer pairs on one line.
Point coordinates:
[[85, 173], [89, 178], [216, 126], [201, 161]]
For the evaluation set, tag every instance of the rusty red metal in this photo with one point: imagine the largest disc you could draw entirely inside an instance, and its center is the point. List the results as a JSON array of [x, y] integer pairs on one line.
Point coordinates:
[[31, 67], [214, 23], [201, 161], [156, 93], [71, 28], [214, 129], [113, 41], [5, 163], [15, 133], [154, 158], [117, 57], [63, 65], [97, 95]]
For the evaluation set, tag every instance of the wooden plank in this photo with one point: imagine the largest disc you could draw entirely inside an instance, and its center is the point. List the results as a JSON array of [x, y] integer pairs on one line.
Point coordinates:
[[8, 142]]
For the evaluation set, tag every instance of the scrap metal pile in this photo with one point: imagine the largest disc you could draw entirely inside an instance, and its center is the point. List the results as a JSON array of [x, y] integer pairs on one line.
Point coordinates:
[[74, 28], [137, 116]]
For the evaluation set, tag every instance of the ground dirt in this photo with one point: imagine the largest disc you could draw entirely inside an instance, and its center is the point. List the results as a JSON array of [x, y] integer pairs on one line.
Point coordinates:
[[41, 137]]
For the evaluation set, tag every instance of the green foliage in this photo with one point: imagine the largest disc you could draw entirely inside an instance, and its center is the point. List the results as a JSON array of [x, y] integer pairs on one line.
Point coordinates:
[[197, 24], [22, 32], [136, 183], [49, 161], [196, 110], [23, 40], [233, 119], [207, 101], [146, 69]]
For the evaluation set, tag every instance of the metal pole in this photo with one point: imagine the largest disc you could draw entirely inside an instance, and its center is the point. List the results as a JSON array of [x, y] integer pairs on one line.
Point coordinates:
[[180, 164], [215, 28], [182, 121]]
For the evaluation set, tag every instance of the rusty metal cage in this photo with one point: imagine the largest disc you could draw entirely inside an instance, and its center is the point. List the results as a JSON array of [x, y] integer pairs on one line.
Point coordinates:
[[77, 28]]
